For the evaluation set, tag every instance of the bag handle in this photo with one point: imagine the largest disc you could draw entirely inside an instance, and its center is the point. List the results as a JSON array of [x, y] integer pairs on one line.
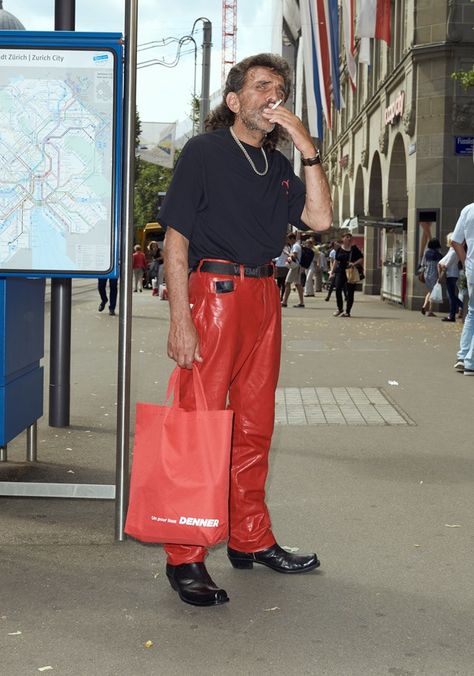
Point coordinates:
[[174, 388]]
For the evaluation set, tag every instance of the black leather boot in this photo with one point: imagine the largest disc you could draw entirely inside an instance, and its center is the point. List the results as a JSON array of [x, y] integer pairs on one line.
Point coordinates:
[[275, 558], [194, 585]]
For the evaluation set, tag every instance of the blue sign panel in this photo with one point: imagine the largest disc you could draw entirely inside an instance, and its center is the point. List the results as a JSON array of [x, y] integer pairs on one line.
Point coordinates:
[[463, 145], [60, 153]]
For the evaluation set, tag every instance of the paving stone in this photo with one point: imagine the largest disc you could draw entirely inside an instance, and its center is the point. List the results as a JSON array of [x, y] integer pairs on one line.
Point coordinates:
[[336, 406]]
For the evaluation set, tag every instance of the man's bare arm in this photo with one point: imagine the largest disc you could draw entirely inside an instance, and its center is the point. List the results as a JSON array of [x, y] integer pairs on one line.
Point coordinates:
[[183, 341], [460, 250], [317, 212]]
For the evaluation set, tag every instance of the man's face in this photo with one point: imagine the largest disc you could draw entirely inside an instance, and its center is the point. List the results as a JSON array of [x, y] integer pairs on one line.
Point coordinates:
[[262, 88]]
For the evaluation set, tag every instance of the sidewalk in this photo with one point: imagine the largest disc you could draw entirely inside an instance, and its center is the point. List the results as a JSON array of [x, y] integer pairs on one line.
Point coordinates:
[[387, 506]]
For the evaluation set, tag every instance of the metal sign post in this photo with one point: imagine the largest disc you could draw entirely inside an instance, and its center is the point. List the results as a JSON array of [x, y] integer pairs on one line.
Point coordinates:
[[125, 325], [61, 293]]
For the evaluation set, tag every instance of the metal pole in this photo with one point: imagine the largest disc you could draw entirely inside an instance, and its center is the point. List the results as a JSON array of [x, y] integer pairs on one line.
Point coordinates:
[[60, 353], [65, 15], [125, 319], [32, 442], [206, 72], [3, 453], [61, 294]]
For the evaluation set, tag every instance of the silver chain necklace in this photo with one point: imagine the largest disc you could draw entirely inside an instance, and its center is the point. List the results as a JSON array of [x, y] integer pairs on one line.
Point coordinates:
[[260, 173]]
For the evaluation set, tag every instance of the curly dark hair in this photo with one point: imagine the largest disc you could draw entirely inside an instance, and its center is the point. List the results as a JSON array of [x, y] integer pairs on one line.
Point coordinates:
[[434, 243], [221, 116]]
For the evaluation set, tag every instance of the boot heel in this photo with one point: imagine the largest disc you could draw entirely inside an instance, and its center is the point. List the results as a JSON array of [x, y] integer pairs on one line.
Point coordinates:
[[241, 563]]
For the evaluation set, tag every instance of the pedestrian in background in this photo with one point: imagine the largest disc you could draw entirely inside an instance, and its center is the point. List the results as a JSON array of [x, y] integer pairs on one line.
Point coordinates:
[[112, 299], [322, 269], [429, 262], [139, 268], [464, 233], [448, 268], [294, 273], [312, 272], [227, 211], [331, 282], [348, 255], [155, 268], [281, 269]]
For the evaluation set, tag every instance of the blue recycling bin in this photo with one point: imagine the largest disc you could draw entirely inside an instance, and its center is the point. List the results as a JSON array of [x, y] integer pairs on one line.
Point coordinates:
[[21, 349]]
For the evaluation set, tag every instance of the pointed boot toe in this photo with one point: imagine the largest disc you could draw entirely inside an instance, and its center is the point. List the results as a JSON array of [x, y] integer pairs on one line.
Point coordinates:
[[275, 558], [194, 585]]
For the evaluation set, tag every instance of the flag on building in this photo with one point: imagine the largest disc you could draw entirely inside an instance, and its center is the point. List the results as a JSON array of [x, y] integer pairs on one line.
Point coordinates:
[[373, 21], [349, 47], [156, 143], [320, 33]]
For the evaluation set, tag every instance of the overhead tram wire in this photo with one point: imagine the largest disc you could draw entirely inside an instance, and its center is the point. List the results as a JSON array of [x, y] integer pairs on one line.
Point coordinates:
[[179, 53], [163, 43]]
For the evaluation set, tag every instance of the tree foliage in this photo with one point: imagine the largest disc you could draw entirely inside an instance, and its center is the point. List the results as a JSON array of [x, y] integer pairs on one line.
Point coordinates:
[[465, 77], [151, 180]]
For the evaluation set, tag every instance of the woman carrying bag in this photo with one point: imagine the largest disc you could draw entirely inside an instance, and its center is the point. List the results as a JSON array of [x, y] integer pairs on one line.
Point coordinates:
[[448, 267], [348, 260]]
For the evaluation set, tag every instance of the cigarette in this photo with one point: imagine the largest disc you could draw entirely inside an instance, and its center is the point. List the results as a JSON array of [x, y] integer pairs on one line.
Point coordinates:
[[276, 104]]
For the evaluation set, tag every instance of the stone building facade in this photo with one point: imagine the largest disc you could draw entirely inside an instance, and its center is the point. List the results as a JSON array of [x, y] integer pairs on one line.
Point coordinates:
[[400, 154]]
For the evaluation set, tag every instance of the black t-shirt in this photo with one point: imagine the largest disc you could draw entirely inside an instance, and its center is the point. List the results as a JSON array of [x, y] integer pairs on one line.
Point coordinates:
[[344, 257], [224, 208]]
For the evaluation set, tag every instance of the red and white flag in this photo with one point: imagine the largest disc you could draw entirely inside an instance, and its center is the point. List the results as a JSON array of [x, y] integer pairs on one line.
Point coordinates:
[[348, 20], [373, 19]]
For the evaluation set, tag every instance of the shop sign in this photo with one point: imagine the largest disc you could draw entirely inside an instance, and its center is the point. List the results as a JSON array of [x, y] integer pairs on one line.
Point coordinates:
[[395, 109], [464, 145]]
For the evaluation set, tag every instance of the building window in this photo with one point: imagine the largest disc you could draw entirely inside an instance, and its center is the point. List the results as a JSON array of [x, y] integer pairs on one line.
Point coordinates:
[[398, 18]]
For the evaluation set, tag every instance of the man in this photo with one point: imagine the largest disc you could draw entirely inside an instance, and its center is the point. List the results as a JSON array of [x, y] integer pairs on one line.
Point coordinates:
[[464, 232], [294, 273], [226, 213]]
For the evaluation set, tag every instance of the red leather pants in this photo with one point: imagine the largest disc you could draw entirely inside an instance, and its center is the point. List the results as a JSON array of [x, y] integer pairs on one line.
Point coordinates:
[[240, 339]]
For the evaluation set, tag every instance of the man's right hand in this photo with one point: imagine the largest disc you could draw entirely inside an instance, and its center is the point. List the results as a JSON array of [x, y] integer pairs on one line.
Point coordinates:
[[183, 344], [183, 340]]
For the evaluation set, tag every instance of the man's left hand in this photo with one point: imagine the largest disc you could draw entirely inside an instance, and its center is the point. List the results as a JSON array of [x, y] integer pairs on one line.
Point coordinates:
[[295, 128]]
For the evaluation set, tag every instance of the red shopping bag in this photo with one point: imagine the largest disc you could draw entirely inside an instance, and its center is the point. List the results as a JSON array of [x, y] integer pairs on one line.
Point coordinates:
[[179, 490]]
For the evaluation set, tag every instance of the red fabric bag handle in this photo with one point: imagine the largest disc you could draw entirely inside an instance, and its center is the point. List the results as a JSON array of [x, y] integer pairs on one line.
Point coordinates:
[[174, 389]]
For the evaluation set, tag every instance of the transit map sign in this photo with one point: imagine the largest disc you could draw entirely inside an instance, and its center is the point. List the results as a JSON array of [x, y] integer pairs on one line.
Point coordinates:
[[60, 138]]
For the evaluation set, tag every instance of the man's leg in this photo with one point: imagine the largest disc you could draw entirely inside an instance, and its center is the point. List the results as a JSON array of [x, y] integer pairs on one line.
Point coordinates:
[[309, 286], [240, 338], [136, 273], [350, 288], [101, 287], [113, 287], [219, 341], [340, 284], [252, 398], [466, 346], [299, 289], [287, 292]]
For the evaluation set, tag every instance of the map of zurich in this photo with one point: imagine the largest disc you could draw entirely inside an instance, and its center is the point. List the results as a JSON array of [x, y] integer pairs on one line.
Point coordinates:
[[56, 160]]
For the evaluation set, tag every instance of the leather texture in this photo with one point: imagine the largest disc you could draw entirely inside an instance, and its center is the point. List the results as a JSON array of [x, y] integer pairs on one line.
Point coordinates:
[[194, 585], [275, 558], [240, 336]]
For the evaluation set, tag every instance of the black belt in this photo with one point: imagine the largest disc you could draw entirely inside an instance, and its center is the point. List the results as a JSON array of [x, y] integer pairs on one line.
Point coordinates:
[[235, 269]]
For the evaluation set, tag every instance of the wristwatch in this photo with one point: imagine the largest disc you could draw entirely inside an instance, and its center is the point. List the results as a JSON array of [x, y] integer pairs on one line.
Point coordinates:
[[309, 161]]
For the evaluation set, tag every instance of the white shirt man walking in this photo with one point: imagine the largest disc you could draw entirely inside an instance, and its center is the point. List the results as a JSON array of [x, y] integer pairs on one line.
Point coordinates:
[[464, 232]]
